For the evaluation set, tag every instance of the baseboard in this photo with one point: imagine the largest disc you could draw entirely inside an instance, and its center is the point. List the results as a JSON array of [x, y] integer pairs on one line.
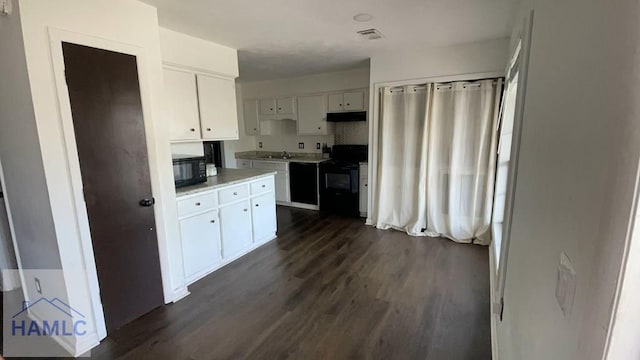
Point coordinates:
[[178, 294], [304, 206], [86, 343], [494, 317]]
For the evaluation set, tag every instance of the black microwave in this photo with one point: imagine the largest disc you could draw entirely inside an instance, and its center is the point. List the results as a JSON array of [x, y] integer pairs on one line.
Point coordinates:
[[189, 170]]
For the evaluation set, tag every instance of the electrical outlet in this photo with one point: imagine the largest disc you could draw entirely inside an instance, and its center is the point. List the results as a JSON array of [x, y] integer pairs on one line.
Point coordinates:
[[317, 146], [38, 288], [301, 145], [260, 144], [565, 284]]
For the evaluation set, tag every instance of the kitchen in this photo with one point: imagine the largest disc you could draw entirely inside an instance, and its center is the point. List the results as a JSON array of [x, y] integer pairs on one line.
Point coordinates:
[[304, 139]]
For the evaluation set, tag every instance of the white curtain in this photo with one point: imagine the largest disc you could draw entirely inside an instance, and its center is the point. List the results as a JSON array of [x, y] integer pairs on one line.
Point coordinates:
[[434, 161], [399, 192]]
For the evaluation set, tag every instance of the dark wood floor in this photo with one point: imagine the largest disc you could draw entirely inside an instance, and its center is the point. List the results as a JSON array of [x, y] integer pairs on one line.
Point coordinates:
[[327, 288]]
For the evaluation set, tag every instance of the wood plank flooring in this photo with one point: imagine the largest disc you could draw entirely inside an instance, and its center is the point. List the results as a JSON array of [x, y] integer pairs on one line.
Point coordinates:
[[326, 288]]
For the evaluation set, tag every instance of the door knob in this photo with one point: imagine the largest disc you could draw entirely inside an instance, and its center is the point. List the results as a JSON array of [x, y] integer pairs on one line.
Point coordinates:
[[147, 202]]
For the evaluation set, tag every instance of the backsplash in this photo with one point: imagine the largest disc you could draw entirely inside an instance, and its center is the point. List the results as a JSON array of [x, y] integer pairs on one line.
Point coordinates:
[[350, 133], [285, 138]]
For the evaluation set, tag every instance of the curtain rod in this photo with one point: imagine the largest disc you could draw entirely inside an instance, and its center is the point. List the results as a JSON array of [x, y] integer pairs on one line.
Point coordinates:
[[420, 86]]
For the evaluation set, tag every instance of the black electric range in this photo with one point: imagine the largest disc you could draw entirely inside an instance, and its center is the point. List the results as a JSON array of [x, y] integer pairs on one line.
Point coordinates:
[[339, 177]]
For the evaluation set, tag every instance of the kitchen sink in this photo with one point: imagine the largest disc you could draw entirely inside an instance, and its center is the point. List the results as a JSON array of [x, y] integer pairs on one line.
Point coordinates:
[[282, 157]]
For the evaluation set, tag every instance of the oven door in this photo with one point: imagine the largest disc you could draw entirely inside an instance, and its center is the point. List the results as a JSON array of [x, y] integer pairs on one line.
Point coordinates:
[[339, 189]]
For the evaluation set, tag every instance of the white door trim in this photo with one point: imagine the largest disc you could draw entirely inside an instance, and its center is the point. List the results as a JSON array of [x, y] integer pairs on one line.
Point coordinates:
[[56, 37]]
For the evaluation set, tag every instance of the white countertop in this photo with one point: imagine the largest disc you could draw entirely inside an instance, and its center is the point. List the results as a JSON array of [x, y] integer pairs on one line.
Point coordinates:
[[225, 177]]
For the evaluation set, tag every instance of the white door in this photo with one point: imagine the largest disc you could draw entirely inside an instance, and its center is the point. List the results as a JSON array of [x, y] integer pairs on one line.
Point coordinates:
[[218, 111], [235, 222], [182, 97], [286, 105], [335, 102], [251, 119], [263, 214], [200, 236], [354, 101], [312, 112], [268, 106]]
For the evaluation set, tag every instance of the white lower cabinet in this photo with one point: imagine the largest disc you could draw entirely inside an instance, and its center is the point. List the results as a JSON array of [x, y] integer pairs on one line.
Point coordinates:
[[236, 229], [263, 213], [220, 225], [200, 243]]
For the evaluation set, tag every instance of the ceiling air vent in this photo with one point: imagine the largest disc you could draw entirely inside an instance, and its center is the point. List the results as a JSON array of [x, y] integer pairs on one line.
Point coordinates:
[[370, 34]]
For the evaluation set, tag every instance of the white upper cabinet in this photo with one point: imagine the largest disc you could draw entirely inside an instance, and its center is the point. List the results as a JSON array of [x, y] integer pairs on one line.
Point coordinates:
[[278, 109], [347, 101], [218, 112], [251, 117], [335, 102], [354, 101], [312, 115], [268, 107], [182, 97], [286, 106], [199, 83]]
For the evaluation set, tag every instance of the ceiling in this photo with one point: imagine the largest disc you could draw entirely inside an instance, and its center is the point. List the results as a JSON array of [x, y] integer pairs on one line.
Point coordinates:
[[285, 38]]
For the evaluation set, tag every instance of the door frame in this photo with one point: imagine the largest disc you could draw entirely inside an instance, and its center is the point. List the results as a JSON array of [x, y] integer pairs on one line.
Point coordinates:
[[56, 38]]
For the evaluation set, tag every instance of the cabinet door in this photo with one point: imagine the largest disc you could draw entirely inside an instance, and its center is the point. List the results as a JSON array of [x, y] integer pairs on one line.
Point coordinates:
[[263, 214], [267, 106], [354, 101], [363, 191], [286, 106], [250, 114], [235, 225], [335, 102], [182, 98], [282, 187], [200, 236], [218, 111], [312, 112]]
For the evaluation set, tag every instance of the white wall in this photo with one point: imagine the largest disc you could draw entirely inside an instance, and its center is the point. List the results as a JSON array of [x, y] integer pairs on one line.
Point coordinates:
[[124, 21], [284, 135], [197, 54], [577, 168], [25, 182], [421, 63]]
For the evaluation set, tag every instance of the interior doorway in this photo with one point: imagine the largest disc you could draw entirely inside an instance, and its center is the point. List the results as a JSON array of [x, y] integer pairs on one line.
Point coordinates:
[[108, 122]]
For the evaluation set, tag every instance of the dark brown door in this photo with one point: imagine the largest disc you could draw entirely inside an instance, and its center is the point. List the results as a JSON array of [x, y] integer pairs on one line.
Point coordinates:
[[109, 129]]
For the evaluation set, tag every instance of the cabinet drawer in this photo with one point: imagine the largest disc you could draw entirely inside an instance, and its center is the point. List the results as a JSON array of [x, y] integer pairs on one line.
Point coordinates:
[[270, 165], [197, 204], [262, 186], [233, 193]]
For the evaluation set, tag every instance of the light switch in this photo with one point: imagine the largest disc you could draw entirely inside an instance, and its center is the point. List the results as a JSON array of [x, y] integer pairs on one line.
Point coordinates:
[[565, 284]]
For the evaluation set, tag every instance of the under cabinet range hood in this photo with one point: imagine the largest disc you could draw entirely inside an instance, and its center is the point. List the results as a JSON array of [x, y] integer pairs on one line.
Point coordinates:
[[347, 116]]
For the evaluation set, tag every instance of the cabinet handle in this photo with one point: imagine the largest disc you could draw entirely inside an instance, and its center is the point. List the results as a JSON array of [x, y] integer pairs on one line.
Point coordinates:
[[271, 109], [235, 193], [365, 185], [254, 129], [263, 185], [197, 204], [213, 221], [339, 104], [279, 108], [245, 210], [348, 104], [192, 130], [257, 205], [319, 128], [208, 129]]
